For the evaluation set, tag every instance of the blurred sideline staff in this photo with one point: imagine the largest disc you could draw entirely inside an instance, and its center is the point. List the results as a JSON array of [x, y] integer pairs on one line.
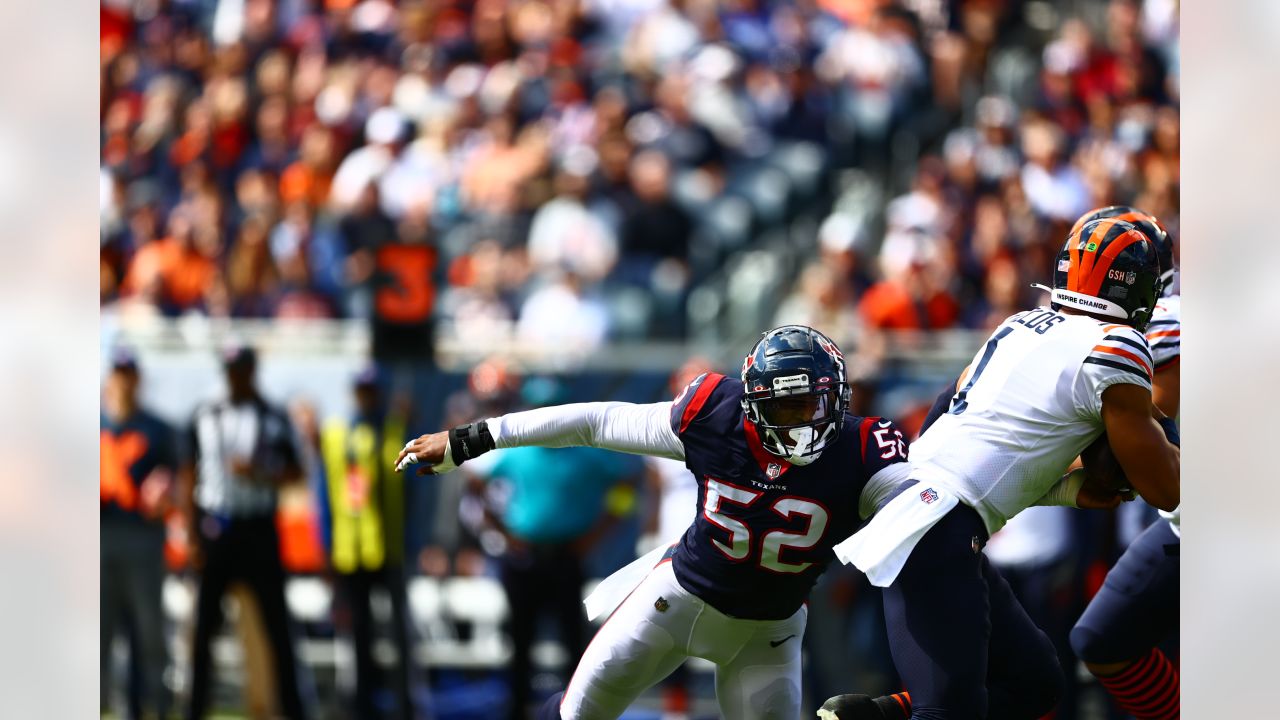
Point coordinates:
[[561, 504], [242, 451], [363, 502], [134, 492]]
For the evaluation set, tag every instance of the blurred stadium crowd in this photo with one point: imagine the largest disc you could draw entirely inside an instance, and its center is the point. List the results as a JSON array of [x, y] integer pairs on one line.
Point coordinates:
[[569, 173], [516, 163]]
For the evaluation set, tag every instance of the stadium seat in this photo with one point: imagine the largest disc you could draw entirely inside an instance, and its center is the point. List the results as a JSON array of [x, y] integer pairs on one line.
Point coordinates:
[[478, 600], [426, 610]]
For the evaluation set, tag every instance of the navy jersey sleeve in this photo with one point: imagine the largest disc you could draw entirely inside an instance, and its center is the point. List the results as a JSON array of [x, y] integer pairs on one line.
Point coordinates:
[[688, 405], [883, 444], [940, 405]]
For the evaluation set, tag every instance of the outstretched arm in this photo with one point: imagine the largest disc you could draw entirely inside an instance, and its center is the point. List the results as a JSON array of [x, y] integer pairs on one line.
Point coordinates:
[[624, 427]]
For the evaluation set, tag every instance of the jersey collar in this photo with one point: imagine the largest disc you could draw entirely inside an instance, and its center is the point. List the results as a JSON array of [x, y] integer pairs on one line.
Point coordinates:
[[771, 465]]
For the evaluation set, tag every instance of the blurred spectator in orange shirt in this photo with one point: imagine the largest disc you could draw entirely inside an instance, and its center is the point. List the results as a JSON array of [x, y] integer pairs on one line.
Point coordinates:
[[311, 176], [183, 270], [912, 296]]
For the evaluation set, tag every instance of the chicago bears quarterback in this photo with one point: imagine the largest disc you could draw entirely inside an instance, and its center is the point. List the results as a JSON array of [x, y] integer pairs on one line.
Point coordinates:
[[1046, 384], [1137, 606], [782, 470]]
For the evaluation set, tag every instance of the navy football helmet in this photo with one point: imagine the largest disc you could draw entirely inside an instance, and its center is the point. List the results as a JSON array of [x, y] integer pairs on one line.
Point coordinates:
[[1108, 267], [1150, 226], [796, 392]]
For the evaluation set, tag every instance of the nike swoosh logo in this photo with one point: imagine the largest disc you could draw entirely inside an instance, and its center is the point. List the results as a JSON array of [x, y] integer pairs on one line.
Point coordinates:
[[776, 643]]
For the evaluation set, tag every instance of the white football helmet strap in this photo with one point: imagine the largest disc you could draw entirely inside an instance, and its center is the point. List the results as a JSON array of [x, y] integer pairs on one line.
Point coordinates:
[[1081, 301], [809, 442]]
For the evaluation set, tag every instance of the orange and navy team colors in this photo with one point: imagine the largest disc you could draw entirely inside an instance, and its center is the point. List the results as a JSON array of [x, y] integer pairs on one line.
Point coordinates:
[[1123, 348], [1092, 258], [130, 451], [1164, 333]]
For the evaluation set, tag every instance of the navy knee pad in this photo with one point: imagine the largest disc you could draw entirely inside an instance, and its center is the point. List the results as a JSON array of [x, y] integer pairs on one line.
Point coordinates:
[[1088, 644], [1137, 605]]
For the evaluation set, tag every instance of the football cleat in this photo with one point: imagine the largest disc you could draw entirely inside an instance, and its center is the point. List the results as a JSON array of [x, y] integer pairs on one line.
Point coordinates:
[[850, 707]]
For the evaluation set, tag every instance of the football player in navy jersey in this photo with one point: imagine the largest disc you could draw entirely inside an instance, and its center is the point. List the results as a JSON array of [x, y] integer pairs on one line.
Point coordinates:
[[784, 473]]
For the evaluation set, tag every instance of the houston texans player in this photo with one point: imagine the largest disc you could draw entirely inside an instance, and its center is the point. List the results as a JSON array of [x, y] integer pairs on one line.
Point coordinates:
[[1046, 384], [784, 473], [1137, 606]]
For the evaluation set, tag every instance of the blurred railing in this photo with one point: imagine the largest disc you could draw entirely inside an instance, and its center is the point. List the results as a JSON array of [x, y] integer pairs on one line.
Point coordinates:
[[315, 360], [350, 339]]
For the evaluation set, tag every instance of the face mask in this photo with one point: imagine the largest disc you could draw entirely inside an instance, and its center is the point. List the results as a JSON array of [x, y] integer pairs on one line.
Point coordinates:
[[805, 441]]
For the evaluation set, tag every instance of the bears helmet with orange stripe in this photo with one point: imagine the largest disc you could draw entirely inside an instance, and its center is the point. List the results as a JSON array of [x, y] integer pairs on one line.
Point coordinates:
[[1108, 267], [1150, 226]]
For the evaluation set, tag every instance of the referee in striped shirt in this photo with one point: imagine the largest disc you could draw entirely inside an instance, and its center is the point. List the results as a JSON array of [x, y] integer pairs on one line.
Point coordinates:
[[241, 450]]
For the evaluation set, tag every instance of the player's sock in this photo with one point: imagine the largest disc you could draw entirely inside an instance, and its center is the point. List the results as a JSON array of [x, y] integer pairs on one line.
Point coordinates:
[[1147, 689], [895, 707], [675, 699]]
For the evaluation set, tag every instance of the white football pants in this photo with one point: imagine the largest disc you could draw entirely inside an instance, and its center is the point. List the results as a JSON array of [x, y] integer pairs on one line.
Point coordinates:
[[660, 625]]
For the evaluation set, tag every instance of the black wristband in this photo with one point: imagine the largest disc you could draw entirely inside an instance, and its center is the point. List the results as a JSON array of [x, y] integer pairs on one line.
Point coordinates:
[[467, 442], [1171, 430]]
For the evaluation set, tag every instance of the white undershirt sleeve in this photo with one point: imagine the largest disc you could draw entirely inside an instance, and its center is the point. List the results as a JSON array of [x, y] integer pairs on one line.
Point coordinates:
[[620, 426], [1065, 491], [880, 486]]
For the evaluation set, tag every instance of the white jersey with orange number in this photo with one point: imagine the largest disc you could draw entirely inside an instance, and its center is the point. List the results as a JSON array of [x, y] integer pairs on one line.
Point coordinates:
[[1031, 402]]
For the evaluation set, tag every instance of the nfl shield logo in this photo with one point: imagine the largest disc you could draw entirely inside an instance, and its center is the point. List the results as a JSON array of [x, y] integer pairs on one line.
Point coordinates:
[[773, 471], [928, 495], [1064, 265], [661, 604], [1131, 278]]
